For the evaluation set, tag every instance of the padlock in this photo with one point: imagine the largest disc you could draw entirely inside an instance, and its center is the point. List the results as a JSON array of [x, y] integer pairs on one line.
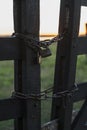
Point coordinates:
[[45, 52]]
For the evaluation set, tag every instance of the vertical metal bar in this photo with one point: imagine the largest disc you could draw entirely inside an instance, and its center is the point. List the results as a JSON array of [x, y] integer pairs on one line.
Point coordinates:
[[27, 71], [17, 5], [66, 61]]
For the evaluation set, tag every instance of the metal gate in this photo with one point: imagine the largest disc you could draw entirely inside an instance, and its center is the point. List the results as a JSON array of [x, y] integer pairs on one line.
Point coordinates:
[[26, 110], [64, 83]]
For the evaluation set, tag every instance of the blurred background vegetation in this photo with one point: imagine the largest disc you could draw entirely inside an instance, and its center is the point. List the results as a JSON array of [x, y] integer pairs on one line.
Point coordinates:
[[47, 79]]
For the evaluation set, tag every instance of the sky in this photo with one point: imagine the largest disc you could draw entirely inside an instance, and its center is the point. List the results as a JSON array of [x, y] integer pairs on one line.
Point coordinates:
[[83, 20], [6, 17], [49, 17]]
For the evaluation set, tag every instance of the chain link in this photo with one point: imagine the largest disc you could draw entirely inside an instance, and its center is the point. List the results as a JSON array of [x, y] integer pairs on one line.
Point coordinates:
[[49, 42], [44, 95], [36, 44], [39, 47]]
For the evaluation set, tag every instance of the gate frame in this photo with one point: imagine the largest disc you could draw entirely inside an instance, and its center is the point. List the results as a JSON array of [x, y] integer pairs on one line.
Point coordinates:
[[65, 70], [27, 113]]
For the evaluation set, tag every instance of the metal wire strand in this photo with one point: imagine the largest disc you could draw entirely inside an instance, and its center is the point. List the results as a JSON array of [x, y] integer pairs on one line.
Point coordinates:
[[40, 47], [44, 95], [43, 43]]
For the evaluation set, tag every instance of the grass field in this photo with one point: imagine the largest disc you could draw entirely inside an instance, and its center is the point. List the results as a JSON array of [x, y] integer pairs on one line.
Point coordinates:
[[47, 79]]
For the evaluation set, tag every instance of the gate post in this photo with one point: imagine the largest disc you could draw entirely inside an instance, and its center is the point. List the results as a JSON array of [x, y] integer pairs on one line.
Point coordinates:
[[66, 59], [27, 70]]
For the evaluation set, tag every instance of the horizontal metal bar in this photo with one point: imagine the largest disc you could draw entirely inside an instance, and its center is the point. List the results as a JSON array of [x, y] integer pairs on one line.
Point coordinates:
[[84, 2], [10, 48], [10, 109], [81, 93], [79, 123], [81, 45]]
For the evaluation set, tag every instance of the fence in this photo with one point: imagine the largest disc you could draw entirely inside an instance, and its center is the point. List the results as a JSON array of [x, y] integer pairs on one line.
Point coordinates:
[[26, 66], [24, 106], [68, 49]]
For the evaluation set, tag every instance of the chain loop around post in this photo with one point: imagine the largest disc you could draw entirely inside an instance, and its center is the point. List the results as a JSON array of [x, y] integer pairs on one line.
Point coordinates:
[[45, 95], [41, 47]]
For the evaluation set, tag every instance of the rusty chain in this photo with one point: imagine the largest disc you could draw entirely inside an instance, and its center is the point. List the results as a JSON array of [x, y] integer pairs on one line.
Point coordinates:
[[41, 47], [44, 95], [35, 42]]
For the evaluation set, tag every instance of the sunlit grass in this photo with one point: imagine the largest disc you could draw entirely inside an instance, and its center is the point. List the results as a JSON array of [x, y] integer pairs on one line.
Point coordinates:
[[6, 78], [47, 81], [6, 88], [81, 72]]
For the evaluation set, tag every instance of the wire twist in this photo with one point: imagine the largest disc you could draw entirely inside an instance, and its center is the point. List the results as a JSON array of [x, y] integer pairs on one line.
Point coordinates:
[[34, 42], [44, 95]]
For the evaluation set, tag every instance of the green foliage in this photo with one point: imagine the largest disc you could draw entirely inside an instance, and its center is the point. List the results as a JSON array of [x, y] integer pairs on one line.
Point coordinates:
[[47, 69], [6, 88], [6, 78], [6, 125], [81, 72], [47, 80]]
